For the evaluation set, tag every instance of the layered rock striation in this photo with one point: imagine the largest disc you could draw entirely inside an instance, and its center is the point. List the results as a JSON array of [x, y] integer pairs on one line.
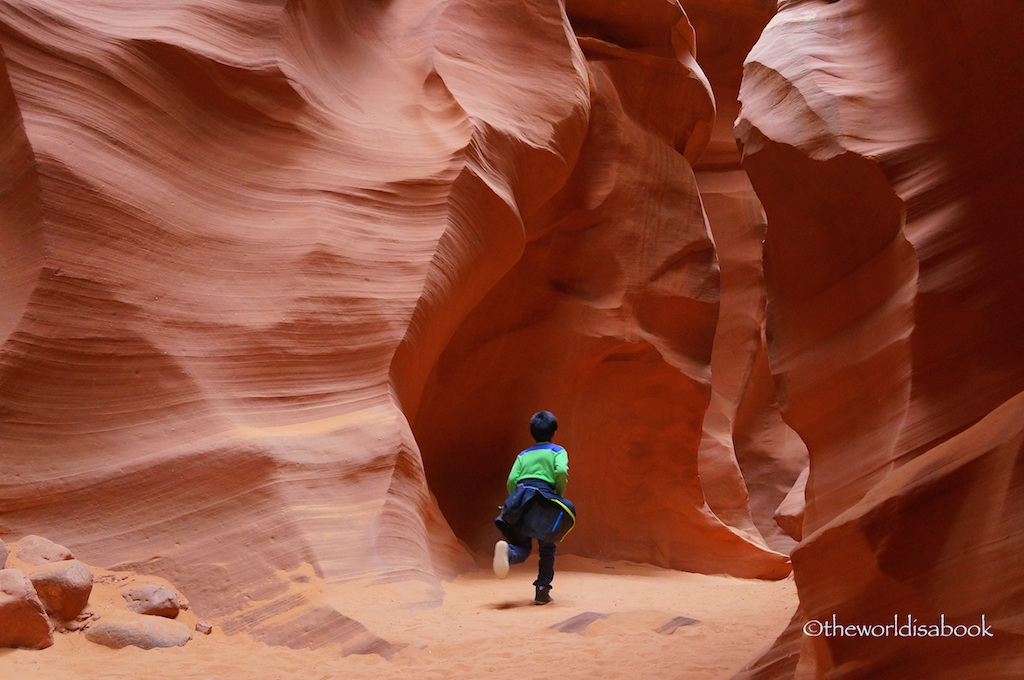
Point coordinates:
[[608, 318], [283, 280], [881, 139]]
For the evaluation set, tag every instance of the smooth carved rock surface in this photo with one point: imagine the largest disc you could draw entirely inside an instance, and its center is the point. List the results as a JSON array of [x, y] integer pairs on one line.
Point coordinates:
[[607, 317], [884, 144], [297, 273], [749, 458], [260, 257], [219, 227]]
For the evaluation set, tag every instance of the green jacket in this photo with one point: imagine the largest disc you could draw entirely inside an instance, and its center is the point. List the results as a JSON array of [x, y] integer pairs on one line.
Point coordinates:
[[543, 460]]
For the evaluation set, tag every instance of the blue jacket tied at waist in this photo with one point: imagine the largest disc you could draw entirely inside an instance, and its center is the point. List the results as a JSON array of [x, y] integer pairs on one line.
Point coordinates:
[[534, 509]]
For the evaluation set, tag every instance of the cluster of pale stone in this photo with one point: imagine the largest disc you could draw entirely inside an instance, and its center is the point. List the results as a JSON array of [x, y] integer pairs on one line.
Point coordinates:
[[46, 589]]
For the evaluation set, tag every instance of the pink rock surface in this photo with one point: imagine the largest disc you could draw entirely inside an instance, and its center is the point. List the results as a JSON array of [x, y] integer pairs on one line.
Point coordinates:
[[297, 273], [261, 255], [37, 550], [137, 630], [223, 287], [880, 138], [153, 600], [749, 457], [607, 318]]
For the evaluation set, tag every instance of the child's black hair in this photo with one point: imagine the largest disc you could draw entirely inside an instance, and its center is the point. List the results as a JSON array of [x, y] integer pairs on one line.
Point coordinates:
[[543, 425]]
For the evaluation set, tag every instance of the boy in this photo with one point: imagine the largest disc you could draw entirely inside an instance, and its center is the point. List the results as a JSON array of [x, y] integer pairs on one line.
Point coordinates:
[[535, 485]]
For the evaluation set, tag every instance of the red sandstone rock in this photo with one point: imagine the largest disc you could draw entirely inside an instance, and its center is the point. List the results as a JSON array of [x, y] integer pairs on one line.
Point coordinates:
[[4, 552], [146, 632], [150, 349], [749, 455], [373, 238], [152, 599], [607, 319], [790, 513], [23, 621], [361, 224], [917, 546], [878, 137], [63, 587], [36, 550]]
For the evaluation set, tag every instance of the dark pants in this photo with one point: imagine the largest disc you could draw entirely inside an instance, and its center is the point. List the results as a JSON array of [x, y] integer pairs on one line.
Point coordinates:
[[519, 548], [520, 545]]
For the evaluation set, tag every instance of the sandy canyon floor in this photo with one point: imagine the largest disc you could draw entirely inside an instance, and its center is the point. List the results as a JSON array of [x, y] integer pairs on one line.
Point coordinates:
[[604, 624]]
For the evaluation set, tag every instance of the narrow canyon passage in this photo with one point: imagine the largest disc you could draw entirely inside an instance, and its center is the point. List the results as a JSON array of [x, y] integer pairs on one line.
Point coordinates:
[[282, 282]]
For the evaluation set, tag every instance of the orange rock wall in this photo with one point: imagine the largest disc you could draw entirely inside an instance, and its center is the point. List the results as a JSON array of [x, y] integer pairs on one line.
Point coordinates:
[[222, 224], [750, 458], [283, 281], [278, 275], [882, 139], [608, 318]]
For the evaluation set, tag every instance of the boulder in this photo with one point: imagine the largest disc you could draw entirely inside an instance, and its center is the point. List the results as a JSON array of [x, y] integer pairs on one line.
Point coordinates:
[[36, 550], [146, 632], [63, 587], [153, 599], [23, 621]]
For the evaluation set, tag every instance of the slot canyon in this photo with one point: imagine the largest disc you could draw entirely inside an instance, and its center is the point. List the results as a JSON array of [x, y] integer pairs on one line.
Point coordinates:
[[283, 281]]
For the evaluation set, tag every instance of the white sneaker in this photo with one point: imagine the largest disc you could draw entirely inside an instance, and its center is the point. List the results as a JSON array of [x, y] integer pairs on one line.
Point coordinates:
[[501, 559]]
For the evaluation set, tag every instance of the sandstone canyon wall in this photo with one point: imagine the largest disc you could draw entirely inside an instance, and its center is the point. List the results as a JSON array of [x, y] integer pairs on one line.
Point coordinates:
[[883, 140], [609, 318], [282, 282]]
